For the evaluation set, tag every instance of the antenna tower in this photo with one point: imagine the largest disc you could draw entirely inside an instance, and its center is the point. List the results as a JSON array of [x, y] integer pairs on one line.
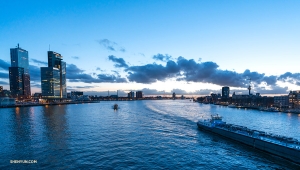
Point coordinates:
[[249, 87]]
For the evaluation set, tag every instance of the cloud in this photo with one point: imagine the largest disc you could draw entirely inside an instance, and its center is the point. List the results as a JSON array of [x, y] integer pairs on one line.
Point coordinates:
[[37, 85], [120, 62], [204, 72], [152, 73], [4, 65], [111, 46], [98, 69], [4, 75], [35, 73], [3, 83], [39, 62], [75, 57], [289, 77], [161, 57], [74, 74], [107, 78]]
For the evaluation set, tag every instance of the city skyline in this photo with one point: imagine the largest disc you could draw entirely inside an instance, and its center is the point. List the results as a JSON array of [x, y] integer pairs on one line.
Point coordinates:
[[191, 47]]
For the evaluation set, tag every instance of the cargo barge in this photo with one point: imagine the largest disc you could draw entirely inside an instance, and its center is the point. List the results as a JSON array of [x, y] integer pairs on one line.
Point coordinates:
[[285, 147]]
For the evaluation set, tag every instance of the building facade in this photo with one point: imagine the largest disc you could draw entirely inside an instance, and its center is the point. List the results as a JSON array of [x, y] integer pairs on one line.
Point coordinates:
[[294, 99], [225, 92], [131, 95], [139, 94], [19, 78], [53, 77]]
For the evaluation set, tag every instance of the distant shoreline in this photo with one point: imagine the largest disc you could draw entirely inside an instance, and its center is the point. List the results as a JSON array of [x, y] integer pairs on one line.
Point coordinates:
[[46, 104]]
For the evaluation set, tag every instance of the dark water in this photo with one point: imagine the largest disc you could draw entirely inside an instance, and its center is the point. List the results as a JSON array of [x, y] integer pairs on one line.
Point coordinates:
[[141, 135]]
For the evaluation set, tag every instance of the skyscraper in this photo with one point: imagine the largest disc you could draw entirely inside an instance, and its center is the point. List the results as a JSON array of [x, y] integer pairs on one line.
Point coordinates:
[[225, 92], [139, 94], [19, 78], [53, 77]]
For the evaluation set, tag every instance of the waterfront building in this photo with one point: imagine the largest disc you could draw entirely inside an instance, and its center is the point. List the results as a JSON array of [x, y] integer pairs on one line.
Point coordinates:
[[225, 92], [1, 89], [76, 95], [53, 77], [19, 78], [131, 95], [174, 95], [281, 101], [139, 94], [294, 99], [6, 93]]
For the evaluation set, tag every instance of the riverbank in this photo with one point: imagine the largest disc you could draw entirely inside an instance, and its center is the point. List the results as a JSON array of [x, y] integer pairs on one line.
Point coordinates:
[[46, 104]]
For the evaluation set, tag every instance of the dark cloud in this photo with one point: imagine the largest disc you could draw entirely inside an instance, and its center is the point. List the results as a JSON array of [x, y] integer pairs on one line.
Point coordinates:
[[289, 77], [4, 65], [106, 78], [37, 85], [4, 75], [205, 72], [75, 57], [111, 46], [74, 74], [147, 91], [161, 57], [35, 73], [151, 73], [81, 87], [3, 83], [120, 62], [39, 62]]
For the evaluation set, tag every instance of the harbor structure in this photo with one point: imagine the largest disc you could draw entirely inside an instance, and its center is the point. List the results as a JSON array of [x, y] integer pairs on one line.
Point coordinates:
[[19, 78], [53, 77]]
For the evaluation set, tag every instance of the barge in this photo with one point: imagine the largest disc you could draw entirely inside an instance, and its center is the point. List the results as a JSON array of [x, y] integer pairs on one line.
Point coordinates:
[[285, 147]]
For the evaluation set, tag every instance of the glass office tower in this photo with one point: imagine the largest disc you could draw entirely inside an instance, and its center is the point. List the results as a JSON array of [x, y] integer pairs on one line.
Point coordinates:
[[53, 77], [19, 78]]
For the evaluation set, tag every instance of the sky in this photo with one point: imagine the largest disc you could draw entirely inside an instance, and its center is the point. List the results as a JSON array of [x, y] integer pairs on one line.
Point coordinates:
[[159, 46]]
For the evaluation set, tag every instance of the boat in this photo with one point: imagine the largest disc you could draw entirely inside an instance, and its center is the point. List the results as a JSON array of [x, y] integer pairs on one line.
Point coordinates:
[[115, 107], [285, 147], [232, 106]]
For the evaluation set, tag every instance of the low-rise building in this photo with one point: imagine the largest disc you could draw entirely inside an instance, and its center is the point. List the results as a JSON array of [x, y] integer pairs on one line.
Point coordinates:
[[281, 101]]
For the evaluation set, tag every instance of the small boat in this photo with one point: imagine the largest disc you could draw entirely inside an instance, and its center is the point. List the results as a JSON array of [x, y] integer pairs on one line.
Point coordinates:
[[115, 107]]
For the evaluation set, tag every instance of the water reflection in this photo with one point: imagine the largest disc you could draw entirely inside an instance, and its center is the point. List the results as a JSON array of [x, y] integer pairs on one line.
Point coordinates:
[[23, 132], [56, 132]]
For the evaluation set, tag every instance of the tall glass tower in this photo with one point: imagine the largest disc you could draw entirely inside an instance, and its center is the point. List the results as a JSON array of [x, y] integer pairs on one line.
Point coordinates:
[[53, 77], [19, 78]]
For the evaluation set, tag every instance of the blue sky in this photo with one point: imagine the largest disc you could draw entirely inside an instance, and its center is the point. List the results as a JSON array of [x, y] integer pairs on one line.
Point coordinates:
[[189, 46]]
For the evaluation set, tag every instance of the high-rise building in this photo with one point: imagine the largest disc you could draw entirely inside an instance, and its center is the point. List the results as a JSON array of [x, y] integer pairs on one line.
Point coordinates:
[[53, 77], [19, 78], [131, 95], [225, 92], [139, 94]]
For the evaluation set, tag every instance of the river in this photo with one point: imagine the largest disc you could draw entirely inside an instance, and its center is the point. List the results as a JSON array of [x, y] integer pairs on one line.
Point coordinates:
[[149, 134]]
